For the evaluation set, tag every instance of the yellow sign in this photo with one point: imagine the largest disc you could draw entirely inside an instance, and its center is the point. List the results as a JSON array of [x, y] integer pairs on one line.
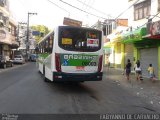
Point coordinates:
[[67, 41]]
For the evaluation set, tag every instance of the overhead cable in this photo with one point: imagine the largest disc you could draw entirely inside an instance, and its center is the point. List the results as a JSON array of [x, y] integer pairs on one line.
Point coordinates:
[[126, 9], [59, 7], [94, 9], [81, 9], [150, 19]]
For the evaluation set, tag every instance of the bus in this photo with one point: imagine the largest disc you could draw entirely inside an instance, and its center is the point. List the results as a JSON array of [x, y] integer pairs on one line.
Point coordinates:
[[70, 53]]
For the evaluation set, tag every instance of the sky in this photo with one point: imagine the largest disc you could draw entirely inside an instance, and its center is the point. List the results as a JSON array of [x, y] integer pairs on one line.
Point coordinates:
[[50, 15]]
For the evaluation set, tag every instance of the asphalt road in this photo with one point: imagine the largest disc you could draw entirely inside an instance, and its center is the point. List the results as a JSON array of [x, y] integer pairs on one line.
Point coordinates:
[[22, 90]]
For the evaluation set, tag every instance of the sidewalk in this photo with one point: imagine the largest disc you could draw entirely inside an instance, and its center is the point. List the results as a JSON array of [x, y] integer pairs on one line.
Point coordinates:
[[146, 89]]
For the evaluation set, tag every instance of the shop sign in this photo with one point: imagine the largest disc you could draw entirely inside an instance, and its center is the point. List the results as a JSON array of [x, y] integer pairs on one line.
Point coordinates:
[[155, 28], [132, 36]]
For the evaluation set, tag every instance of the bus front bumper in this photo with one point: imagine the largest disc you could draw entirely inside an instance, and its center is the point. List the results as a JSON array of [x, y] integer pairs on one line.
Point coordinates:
[[60, 76]]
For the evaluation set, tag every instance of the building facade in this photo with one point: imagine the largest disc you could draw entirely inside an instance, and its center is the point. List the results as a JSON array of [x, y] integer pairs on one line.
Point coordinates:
[[22, 37], [112, 35], [141, 41], [7, 30], [145, 19]]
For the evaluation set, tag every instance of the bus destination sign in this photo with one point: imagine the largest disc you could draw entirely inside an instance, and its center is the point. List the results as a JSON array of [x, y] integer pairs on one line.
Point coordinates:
[[72, 22]]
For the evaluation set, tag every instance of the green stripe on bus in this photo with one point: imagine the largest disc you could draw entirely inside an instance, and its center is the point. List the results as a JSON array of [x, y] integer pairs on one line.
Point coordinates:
[[79, 60]]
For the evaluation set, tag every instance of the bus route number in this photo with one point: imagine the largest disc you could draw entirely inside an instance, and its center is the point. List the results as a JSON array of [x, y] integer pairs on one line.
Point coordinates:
[[89, 63]]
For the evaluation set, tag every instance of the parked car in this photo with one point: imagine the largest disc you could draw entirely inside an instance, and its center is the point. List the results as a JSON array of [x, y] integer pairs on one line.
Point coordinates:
[[5, 61], [19, 59], [33, 57]]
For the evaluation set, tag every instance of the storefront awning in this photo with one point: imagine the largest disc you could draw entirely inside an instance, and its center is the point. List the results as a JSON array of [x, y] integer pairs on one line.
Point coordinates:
[[133, 36]]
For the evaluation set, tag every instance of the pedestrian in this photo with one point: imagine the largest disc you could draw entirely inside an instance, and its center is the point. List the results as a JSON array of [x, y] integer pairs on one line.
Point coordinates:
[[151, 72], [138, 70], [128, 69]]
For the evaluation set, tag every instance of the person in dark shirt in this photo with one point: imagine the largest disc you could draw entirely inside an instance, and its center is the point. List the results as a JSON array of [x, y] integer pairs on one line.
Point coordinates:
[[128, 68]]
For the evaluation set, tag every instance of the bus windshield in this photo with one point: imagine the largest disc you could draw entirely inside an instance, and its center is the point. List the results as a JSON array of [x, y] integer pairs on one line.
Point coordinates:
[[79, 39]]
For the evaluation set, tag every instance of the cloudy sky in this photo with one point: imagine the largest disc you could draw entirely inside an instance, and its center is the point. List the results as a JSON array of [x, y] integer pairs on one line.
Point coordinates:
[[50, 15]]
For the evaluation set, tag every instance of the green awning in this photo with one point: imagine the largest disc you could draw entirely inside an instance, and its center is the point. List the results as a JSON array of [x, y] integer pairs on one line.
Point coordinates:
[[133, 36]]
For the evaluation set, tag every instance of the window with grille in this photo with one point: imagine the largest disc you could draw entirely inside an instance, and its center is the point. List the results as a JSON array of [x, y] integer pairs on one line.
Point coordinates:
[[142, 10]]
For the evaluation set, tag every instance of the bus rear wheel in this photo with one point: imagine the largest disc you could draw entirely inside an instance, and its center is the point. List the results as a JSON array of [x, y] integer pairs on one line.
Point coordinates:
[[44, 78]]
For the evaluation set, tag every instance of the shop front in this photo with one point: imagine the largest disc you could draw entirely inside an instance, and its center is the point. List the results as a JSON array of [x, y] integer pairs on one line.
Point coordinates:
[[106, 51], [130, 50], [118, 50], [109, 54], [149, 50]]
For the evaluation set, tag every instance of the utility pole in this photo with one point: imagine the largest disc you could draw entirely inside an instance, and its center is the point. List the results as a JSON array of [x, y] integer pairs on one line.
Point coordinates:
[[28, 32]]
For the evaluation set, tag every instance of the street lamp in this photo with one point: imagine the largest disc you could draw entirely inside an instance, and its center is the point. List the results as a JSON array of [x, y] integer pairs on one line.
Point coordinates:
[[27, 42]]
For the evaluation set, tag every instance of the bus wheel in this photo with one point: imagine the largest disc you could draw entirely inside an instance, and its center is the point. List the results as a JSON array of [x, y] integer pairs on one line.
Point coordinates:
[[39, 72], [44, 78]]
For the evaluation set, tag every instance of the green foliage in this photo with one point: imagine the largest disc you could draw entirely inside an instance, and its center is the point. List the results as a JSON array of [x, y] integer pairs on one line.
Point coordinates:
[[43, 31]]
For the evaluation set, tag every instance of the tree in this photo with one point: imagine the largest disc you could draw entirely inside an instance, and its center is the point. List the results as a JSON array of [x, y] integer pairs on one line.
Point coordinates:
[[43, 30]]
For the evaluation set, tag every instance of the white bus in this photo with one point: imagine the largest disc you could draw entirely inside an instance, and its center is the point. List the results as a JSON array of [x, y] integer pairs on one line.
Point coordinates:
[[71, 54]]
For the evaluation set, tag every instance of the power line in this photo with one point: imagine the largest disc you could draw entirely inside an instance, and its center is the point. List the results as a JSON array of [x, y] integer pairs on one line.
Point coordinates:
[[150, 19], [81, 9], [126, 9], [97, 15], [94, 8], [59, 7]]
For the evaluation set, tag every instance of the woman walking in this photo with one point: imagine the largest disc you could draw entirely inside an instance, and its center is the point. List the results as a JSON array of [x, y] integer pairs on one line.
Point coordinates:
[[128, 69], [138, 70]]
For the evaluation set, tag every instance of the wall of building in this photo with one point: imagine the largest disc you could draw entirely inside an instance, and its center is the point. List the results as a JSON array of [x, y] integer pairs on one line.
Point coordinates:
[[7, 27], [159, 61]]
